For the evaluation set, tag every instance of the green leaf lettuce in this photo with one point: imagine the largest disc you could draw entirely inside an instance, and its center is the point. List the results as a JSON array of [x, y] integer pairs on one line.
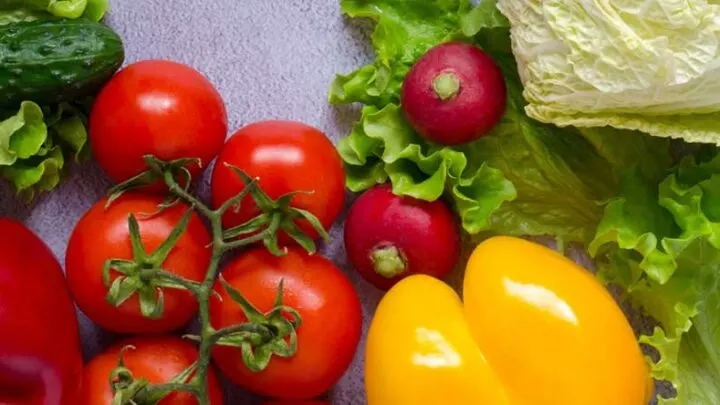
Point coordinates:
[[661, 242], [525, 178], [28, 10], [36, 142]]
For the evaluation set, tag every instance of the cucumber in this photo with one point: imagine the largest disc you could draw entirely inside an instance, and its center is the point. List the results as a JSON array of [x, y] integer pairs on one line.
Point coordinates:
[[56, 60]]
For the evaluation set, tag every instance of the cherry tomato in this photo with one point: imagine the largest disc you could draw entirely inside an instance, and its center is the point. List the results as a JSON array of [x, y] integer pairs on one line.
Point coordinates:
[[286, 156], [156, 107], [157, 359], [330, 330], [103, 234]]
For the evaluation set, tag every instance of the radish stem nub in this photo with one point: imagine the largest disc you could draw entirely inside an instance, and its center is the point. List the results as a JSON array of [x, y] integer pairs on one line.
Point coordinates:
[[388, 261], [446, 85]]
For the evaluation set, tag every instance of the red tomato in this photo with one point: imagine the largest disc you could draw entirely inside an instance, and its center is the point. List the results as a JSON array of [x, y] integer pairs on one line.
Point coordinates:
[[287, 156], [156, 107], [157, 359], [40, 354], [329, 334], [103, 234]]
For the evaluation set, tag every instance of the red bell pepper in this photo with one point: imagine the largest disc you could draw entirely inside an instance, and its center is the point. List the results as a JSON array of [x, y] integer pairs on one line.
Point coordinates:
[[40, 352]]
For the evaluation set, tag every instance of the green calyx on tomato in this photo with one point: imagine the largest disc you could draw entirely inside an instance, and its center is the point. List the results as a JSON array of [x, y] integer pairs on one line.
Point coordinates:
[[154, 174], [124, 385], [263, 335], [127, 389], [277, 215], [144, 274]]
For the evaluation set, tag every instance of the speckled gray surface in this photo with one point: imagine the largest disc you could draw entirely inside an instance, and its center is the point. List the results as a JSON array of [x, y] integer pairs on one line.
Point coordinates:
[[269, 59]]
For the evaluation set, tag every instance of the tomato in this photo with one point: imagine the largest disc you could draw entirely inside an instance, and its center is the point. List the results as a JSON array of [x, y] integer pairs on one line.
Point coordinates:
[[40, 354], [157, 359], [330, 330], [286, 156], [103, 234], [156, 107]]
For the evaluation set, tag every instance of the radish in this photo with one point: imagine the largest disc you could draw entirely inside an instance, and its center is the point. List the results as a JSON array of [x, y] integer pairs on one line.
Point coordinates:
[[454, 94], [389, 237]]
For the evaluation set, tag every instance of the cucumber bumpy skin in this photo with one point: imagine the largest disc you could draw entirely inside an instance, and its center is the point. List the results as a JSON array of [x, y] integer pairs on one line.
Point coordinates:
[[56, 60]]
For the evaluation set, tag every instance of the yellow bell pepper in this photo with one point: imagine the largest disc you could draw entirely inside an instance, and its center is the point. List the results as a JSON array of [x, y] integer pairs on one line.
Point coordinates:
[[534, 329]]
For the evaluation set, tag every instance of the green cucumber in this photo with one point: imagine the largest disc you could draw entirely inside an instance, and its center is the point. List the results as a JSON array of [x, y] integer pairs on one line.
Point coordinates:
[[56, 60]]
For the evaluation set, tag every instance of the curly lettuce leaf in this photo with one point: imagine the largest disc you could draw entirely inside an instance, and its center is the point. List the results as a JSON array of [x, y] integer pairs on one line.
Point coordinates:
[[68, 124], [660, 241], [525, 178], [30, 10], [72, 131], [35, 143], [22, 134], [96, 9], [651, 66], [561, 176], [383, 146], [485, 16], [36, 175]]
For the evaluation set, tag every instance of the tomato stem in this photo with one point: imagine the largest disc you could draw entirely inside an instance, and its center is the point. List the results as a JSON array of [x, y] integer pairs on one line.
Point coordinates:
[[153, 393], [185, 195], [160, 274], [270, 230]]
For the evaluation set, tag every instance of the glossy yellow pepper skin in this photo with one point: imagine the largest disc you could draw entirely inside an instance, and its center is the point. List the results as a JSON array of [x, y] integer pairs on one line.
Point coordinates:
[[534, 329]]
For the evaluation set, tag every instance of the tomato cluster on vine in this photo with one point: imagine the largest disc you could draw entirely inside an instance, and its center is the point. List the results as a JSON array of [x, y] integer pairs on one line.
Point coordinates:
[[278, 319]]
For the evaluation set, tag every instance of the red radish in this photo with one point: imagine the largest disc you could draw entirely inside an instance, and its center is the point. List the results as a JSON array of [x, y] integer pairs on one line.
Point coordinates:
[[454, 94], [389, 237]]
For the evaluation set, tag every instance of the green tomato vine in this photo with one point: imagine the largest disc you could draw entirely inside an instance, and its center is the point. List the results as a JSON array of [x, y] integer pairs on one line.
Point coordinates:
[[263, 336]]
